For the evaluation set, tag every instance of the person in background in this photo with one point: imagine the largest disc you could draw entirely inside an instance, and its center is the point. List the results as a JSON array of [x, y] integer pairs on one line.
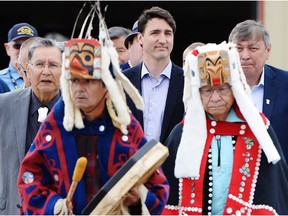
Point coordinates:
[[22, 113], [134, 48], [157, 78], [22, 61], [91, 120], [267, 83], [58, 37], [118, 35], [224, 156], [190, 48], [16, 36]]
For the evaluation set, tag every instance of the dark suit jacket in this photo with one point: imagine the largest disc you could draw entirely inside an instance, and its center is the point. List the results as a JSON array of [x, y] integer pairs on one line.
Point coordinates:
[[124, 66], [276, 110], [174, 108]]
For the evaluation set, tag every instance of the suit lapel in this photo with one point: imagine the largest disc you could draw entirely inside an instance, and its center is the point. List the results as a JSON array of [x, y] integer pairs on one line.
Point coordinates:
[[21, 112], [270, 91], [136, 81], [174, 95]]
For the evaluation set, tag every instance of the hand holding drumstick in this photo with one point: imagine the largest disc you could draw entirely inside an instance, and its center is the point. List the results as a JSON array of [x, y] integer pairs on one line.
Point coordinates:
[[64, 206], [77, 175]]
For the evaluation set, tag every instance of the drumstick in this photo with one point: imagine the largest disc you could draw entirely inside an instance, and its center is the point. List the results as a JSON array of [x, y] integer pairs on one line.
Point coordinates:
[[77, 175]]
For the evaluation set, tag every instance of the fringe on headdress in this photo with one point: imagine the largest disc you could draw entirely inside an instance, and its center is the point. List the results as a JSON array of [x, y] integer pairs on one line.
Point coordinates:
[[115, 82], [194, 135]]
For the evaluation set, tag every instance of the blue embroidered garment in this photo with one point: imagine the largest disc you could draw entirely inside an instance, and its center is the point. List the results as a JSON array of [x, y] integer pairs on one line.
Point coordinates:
[[47, 169]]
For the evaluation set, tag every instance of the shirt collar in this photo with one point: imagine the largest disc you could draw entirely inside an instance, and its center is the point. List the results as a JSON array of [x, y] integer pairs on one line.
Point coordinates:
[[166, 72], [36, 104], [261, 81], [10, 68]]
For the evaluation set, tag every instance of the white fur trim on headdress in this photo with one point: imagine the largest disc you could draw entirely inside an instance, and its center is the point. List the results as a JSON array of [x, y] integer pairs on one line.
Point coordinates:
[[194, 135], [248, 109], [72, 115], [116, 105]]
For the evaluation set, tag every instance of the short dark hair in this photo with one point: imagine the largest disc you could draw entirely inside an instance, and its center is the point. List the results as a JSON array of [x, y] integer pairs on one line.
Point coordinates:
[[155, 12], [247, 29], [118, 31]]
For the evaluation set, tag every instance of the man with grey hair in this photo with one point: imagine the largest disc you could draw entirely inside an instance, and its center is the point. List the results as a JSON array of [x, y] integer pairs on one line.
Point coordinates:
[[21, 121], [233, 151], [267, 83], [118, 35]]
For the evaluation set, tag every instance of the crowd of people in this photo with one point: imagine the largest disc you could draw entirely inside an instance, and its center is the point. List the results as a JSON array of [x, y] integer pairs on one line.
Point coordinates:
[[221, 115]]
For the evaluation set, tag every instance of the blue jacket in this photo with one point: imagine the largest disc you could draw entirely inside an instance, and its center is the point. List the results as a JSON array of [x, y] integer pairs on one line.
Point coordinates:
[[276, 110], [53, 154], [5, 76], [3, 87]]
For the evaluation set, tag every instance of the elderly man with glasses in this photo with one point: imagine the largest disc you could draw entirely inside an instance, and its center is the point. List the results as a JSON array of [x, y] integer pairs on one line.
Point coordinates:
[[16, 36], [22, 113], [224, 156]]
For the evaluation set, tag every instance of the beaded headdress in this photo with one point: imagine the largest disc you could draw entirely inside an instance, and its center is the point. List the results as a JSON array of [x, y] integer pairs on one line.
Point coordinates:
[[214, 65]]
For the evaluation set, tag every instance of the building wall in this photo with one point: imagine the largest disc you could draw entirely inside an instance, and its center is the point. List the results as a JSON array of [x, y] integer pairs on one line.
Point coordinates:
[[275, 18]]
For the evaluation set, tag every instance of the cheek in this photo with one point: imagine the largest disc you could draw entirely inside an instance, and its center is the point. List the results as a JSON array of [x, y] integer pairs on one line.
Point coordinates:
[[171, 41], [72, 89], [205, 103], [230, 101], [57, 78]]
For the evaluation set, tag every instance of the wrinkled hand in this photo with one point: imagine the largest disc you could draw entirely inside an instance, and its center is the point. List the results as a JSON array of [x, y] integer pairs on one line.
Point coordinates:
[[132, 197], [61, 208]]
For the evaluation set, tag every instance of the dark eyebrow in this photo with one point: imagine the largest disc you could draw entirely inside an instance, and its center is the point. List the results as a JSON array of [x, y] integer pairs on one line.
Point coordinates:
[[208, 59]]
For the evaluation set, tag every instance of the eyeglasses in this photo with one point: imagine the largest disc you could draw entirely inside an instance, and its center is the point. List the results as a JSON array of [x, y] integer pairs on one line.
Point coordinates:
[[222, 90], [16, 46], [53, 66]]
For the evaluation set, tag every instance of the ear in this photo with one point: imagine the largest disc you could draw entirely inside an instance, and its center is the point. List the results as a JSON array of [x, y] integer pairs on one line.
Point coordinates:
[[19, 69], [7, 48], [28, 68], [140, 39], [268, 52]]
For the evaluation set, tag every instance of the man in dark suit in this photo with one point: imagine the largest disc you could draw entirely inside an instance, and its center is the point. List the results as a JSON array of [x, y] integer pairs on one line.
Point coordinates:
[[159, 81], [268, 84]]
